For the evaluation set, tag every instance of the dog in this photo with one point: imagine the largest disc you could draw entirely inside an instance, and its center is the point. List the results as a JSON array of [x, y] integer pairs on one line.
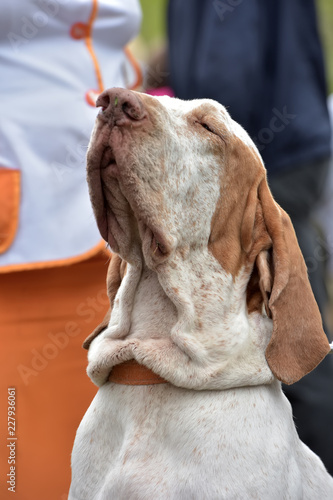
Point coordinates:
[[210, 310]]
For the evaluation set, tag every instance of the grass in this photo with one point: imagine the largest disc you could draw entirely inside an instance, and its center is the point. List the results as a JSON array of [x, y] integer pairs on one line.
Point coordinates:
[[325, 11], [153, 28]]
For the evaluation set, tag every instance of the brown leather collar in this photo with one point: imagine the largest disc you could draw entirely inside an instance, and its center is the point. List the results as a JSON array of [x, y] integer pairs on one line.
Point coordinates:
[[132, 373]]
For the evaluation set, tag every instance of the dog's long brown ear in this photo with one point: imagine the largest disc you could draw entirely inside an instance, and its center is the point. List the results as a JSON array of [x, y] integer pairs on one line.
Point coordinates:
[[116, 272], [298, 342]]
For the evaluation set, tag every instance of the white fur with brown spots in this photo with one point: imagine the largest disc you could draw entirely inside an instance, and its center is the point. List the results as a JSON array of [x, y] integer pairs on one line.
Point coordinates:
[[215, 299]]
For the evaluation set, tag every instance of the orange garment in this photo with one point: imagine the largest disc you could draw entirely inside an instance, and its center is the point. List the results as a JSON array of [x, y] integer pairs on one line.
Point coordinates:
[[45, 314]]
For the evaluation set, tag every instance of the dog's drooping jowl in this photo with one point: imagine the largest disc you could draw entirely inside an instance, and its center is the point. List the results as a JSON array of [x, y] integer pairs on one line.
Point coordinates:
[[210, 309]]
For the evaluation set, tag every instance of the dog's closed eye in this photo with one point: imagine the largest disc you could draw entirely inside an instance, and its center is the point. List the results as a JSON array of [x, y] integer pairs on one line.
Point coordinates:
[[204, 125]]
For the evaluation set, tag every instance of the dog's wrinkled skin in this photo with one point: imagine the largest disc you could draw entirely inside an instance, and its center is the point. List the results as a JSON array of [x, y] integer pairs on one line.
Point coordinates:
[[210, 291]]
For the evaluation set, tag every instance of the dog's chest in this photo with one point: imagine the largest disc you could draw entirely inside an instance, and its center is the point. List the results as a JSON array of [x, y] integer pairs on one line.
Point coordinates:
[[164, 442]]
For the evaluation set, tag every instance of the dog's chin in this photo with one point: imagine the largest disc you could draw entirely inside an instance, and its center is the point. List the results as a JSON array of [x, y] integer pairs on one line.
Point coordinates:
[[157, 247], [150, 242], [153, 247], [109, 166], [104, 226]]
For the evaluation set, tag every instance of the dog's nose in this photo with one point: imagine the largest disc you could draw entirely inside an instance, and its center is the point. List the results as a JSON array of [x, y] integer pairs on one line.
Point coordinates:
[[121, 106]]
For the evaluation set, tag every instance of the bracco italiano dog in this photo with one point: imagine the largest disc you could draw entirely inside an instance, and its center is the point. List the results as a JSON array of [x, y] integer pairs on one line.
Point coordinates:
[[210, 309]]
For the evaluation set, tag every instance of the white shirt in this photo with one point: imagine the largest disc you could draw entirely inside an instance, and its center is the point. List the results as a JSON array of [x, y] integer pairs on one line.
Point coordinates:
[[47, 71]]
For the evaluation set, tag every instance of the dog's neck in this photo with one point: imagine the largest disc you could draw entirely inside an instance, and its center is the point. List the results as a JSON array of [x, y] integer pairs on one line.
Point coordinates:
[[188, 322]]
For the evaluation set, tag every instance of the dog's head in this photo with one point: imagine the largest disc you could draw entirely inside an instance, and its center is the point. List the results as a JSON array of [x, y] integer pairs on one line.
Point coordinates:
[[168, 178]]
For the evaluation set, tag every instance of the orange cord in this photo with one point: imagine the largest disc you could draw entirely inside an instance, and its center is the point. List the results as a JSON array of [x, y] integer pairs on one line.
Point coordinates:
[[90, 48], [136, 67], [139, 78]]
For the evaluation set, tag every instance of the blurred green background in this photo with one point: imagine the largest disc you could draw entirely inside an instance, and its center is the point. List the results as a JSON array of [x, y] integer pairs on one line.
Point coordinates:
[[325, 10], [154, 28]]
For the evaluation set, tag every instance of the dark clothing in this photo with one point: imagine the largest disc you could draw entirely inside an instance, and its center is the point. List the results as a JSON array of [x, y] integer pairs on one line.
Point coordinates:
[[262, 59], [311, 401], [298, 191]]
